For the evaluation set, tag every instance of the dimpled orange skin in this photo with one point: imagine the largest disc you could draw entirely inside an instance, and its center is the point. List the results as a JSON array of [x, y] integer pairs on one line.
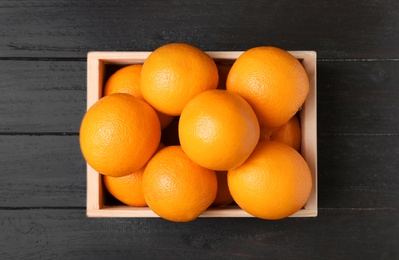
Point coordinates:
[[289, 133], [176, 188], [273, 82], [127, 189], [175, 73], [218, 130], [274, 183], [223, 196], [127, 80], [119, 134]]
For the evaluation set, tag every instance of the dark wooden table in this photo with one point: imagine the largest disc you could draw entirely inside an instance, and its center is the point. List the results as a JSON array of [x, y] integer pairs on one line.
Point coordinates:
[[43, 48]]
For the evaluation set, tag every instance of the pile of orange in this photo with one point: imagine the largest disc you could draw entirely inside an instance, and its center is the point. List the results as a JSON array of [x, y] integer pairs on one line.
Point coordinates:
[[237, 130]]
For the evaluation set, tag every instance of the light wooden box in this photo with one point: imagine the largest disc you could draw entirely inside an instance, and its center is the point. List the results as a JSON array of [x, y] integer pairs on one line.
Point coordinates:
[[97, 63]]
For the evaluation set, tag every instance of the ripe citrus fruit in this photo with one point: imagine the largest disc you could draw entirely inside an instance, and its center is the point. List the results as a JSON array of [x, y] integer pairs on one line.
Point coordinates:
[[127, 189], [175, 73], [274, 183], [127, 80], [223, 196], [218, 130], [119, 134], [176, 188], [273, 82], [289, 133]]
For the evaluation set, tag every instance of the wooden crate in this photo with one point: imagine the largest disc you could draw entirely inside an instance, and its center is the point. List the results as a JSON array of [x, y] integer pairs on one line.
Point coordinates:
[[97, 67]]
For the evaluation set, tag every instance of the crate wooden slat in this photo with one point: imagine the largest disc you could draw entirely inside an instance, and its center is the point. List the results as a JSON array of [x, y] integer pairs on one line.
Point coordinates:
[[96, 66]]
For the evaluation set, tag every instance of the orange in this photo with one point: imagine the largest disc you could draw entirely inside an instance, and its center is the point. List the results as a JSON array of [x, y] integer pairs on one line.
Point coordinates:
[[176, 188], [127, 80], [175, 73], [218, 130], [119, 134], [223, 196], [273, 82], [274, 183], [164, 120], [128, 189], [289, 133]]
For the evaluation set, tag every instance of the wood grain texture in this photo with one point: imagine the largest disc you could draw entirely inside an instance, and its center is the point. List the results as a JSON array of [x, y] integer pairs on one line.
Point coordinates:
[[49, 171], [358, 97], [358, 171], [42, 96], [43, 48], [67, 234], [49, 96], [41, 171], [72, 28]]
